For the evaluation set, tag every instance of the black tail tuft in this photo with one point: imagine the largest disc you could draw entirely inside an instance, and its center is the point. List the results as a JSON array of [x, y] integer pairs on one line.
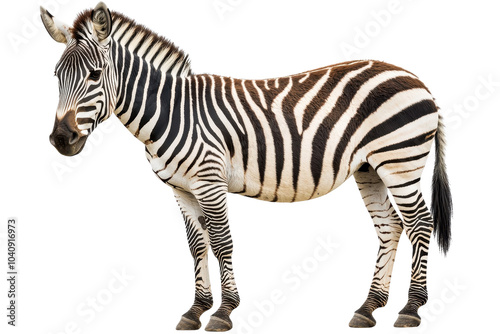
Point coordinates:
[[442, 205]]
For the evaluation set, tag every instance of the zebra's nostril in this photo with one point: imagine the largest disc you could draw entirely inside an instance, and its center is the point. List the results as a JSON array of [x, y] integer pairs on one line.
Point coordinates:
[[74, 138]]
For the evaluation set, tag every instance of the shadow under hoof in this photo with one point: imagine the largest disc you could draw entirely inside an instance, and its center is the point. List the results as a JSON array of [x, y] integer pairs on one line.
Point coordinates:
[[405, 320], [217, 324], [361, 321], [188, 325]]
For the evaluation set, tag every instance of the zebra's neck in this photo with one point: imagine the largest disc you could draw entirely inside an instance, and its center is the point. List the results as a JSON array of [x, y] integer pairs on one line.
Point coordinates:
[[146, 95], [144, 65], [157, 51]]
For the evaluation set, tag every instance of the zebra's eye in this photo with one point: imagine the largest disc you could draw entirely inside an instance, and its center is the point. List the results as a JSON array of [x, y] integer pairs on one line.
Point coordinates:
[[95, 75]]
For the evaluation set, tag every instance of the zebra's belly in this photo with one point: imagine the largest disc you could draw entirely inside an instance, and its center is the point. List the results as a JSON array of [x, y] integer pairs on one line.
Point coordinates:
[[251, 185]]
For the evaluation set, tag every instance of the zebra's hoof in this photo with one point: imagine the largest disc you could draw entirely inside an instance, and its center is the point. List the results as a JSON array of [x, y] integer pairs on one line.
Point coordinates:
[[188, 325], [217, 324], [406, 320], [361, 321]]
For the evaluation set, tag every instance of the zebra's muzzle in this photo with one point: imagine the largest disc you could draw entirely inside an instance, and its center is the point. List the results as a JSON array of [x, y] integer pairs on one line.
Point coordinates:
[[66, 137]]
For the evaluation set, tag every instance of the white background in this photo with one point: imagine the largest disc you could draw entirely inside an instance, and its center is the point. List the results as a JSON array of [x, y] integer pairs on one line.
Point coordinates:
[[106, 212]]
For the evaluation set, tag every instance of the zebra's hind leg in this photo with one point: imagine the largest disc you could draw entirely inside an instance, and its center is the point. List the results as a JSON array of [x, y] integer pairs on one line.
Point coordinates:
[[389, 227], [197, 235], [404, 183]]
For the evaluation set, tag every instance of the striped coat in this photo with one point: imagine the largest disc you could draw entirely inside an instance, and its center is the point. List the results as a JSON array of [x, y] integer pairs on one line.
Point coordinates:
[[291, 138], [286, 139]]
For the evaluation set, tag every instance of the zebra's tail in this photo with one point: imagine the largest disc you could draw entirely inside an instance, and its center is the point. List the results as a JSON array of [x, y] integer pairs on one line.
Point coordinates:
[[441, 205]]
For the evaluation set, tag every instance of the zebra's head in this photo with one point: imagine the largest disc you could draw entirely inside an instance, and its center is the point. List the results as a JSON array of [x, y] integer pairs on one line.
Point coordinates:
[[87, 83]]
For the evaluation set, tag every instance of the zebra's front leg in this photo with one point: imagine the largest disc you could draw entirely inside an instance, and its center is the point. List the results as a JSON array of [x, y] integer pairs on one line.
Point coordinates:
[[212, 200], [389, 227], [197, 235]]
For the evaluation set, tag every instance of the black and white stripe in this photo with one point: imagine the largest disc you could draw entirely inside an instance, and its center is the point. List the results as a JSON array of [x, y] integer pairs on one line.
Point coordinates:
[[286, 139]]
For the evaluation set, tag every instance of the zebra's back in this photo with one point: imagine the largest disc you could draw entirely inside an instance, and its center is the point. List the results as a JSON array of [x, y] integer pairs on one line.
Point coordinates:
[[299, 137]]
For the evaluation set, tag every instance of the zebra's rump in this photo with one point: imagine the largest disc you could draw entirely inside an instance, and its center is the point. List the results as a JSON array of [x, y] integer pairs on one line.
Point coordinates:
[[302, 136]]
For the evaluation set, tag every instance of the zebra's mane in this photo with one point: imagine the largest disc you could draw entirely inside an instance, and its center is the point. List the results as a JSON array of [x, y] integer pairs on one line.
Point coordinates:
[[155, 49]]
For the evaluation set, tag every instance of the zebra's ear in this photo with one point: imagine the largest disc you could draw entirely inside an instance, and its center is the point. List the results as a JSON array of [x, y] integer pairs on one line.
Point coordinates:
[[101, 19], [58, 31]]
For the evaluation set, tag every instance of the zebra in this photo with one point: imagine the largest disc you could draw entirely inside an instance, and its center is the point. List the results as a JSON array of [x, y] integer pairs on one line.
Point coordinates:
[[285, 139]]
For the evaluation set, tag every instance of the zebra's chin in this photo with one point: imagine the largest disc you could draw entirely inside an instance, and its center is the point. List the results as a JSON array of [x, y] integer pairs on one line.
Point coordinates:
[[69, 150]]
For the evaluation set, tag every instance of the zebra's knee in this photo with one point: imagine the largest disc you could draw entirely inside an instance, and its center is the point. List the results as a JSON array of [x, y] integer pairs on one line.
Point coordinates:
[[198, 251]]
